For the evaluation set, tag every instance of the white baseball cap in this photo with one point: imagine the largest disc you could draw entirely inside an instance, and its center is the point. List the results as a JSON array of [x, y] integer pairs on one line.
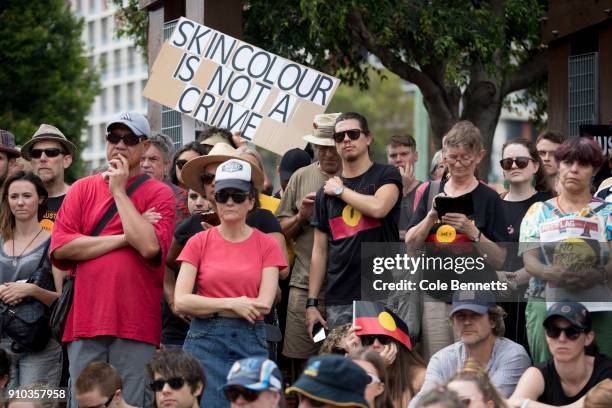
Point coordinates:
[[233, 173]]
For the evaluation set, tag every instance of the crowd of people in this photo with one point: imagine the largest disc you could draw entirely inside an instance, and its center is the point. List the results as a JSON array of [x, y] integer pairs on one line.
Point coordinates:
[[194, 284]]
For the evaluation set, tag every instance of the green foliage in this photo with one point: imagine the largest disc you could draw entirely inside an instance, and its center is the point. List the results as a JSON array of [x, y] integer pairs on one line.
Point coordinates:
[[132, 23], [387, 106], [45, 75]]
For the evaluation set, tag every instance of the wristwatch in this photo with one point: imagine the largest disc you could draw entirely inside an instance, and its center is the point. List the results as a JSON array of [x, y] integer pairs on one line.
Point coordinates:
[[312, 302], [477, 237], [338, 190]]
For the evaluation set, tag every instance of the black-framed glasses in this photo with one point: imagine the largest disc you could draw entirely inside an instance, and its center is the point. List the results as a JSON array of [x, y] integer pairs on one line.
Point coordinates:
[[232, 394], [312, 402], [130, 139], [51, 152], [571, 332], [237, 197], [180, 163], [369, 339], [176, 383], [353, 134], [207, 178], [521, 162]]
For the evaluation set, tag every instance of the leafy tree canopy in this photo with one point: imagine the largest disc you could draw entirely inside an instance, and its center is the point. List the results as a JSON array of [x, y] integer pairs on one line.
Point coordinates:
[[45, 75]]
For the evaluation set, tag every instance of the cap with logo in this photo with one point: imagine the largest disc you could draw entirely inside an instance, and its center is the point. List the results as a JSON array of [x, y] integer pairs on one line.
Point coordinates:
[[323, 133], [47, 132], [255, 373], [233, 173], [221, 152], [476, 301], [574, 312], [7, 144], [137, 123], [292, 160], [333, 380]]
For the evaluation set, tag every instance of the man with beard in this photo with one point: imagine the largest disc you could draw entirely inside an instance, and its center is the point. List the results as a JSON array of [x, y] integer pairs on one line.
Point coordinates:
[[50, 154], [361, 206], [8, 155]]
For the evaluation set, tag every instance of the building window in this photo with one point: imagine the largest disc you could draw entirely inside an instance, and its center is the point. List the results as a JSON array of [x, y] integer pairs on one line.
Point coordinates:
[[91, 34], [130, 96], [117, 62], [117, 97], [101, 139], [583, 83], [143, 100], [104, 30], [92, 6], [77, 6], [130, 56], [104, 101], [103, 66]]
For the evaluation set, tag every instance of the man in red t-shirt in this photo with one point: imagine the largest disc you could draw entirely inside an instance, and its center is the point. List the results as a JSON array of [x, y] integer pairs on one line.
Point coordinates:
[[115, 315]]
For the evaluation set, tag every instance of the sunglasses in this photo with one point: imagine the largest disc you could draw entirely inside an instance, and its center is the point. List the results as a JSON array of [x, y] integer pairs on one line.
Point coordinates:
[[176, 383], [207, 178], [106, 404], [313, 403], [180, 163], [571, 332], [353, 134], [373, 379], [521, 162], [237, 197], [369, 339], [129, 139], [51, 152], [232, 394]]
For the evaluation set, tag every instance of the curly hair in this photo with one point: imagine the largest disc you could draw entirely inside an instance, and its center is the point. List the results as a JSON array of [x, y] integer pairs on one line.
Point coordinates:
[[472, 371]]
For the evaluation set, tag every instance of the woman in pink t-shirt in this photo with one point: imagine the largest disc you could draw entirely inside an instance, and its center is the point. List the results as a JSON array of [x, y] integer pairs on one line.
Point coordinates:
[[234, 269]]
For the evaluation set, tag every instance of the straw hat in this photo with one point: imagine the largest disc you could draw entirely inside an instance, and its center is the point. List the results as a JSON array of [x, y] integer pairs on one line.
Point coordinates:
[[47, 132], [323, 133], [221, 152]]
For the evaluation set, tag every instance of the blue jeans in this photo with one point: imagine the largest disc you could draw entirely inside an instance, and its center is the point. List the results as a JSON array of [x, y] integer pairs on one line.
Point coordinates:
[[35, 367], [217, 343]]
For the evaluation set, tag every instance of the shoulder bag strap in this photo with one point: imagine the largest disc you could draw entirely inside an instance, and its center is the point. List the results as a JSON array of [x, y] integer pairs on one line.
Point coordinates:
[[434, 189], [113, 208]]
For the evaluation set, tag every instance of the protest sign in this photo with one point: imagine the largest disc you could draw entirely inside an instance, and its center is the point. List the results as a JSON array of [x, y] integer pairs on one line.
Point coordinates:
[[225, 82]]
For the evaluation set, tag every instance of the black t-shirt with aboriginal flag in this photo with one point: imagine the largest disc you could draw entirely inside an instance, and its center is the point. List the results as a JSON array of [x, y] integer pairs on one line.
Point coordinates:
[[347, 229], [488, 217]]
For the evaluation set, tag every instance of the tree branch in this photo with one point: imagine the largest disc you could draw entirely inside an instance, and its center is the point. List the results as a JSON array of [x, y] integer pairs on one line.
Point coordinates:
[[529, 72]]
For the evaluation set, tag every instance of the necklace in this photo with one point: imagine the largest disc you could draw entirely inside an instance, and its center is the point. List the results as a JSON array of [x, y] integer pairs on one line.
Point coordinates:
[[16, 259]]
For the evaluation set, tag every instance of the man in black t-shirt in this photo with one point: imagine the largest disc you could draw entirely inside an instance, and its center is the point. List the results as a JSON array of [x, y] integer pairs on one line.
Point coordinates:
[[361, 206], [50, 153]]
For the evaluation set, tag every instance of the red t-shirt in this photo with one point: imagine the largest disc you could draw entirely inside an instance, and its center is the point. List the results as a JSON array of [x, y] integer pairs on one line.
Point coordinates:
[[231, 269], [119, 293]]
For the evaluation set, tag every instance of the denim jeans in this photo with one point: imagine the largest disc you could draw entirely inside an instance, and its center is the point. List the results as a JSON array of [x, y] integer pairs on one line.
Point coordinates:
[[35, 367], [217, 343]]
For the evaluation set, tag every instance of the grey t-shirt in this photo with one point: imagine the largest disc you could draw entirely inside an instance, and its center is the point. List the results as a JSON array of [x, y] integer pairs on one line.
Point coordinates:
[[25, 266]]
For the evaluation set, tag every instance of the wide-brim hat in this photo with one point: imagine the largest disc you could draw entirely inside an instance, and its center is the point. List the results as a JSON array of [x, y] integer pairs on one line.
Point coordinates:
[[7, 144], [221, 152], [323, 133], [47, 132]]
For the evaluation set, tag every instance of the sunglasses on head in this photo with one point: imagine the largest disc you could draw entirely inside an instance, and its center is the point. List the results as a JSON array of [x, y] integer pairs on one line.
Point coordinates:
[[238, 197], [232, 394], [521, 162], [571, 332], [207, 178], [353, 134], [180, 163], [369, 339], [51, 152], [176, 383], [129, 139]]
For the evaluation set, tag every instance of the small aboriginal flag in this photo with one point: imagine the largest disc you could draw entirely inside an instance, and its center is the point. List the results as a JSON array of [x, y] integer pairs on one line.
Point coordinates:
[[376, 319]]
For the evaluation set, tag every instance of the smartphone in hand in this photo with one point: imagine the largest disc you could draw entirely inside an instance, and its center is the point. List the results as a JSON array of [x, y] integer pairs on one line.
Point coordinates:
[[318, 333]]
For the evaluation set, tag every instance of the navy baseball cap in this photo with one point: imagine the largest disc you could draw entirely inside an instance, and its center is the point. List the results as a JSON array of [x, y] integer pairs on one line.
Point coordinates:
[[292, 160], [574, 312], [334, 380], [255, 373], [476, 301]]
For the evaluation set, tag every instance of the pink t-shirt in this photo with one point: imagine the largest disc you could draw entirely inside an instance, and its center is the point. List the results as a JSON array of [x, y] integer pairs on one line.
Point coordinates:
[[231, 269], [119, 293]]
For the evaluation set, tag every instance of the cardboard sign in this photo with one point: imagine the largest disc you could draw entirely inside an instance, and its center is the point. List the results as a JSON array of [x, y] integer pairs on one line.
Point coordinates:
[[225, 82]]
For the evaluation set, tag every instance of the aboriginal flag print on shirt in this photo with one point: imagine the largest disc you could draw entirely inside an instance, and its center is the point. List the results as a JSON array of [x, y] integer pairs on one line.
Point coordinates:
[[347, 228]]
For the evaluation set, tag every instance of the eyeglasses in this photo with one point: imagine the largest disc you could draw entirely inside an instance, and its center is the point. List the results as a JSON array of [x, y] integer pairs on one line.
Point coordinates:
[[237, 197], [130, 139], [51, 152], [180, 163], [176, 383], [312, 402], [373, 379], [106, 404], [369, 339], [232, 394], [571, 332], [521, 162], [207, 178], [353, 134], [465, 160]]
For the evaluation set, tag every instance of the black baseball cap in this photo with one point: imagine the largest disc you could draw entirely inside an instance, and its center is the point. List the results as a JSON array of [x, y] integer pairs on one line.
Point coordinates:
[[292, 160], [573, 312]]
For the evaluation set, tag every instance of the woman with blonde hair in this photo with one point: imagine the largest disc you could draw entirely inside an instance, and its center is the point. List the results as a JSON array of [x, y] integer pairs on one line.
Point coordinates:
[[376, 393], [474, 388]]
